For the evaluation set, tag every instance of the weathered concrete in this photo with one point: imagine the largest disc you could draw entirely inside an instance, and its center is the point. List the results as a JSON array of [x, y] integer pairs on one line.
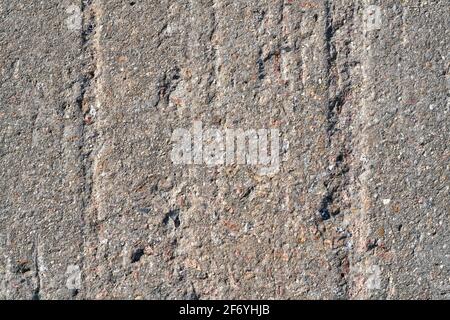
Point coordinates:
[[93, 207]]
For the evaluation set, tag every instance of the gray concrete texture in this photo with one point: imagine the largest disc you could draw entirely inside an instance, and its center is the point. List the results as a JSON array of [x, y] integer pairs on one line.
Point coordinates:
[[92, 207]]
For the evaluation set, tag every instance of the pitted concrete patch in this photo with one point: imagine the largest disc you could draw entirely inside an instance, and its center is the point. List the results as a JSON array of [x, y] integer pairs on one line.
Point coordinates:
[[94, 207]]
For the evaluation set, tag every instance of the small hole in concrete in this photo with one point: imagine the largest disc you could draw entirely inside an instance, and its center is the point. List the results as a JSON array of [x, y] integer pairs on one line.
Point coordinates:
[[324, 214], [136, 255]]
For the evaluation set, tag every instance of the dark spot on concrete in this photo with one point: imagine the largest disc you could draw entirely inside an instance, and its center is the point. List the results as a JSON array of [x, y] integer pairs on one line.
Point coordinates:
[[132, 3], [74, 292], [21, 267], [324, 214], [372, 244], [173, 215], [247, 192], [35, 296], [261, 70], [136, 255], [176, 74], [192, 295], [259, 15], [143, 210], [88, 30]]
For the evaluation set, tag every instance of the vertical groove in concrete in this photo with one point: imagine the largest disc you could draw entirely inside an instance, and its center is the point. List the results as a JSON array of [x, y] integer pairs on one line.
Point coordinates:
[[91, 110]]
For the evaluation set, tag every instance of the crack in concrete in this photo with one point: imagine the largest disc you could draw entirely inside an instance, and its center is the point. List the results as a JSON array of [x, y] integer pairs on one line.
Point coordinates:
[[37, 273]]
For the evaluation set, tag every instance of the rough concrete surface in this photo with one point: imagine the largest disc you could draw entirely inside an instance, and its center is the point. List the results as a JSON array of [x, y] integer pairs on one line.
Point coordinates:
[[93, 207]]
